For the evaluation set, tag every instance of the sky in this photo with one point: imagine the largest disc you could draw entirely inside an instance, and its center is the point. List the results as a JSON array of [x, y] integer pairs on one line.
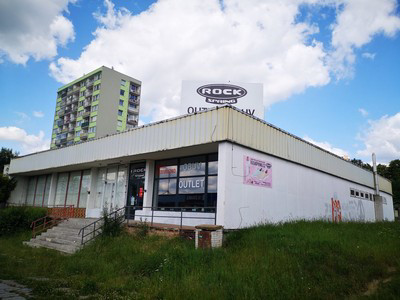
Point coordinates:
[[330, 69]]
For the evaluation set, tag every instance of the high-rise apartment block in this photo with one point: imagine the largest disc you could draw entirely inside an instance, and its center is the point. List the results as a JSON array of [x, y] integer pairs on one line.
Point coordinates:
[[97, 104]]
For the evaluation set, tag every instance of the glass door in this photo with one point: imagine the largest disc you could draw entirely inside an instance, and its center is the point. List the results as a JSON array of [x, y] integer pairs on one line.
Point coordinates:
[[109, 190], [136, 188]]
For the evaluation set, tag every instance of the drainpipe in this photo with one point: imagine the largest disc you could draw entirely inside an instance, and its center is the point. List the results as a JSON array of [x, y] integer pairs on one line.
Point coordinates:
[[375, 170]]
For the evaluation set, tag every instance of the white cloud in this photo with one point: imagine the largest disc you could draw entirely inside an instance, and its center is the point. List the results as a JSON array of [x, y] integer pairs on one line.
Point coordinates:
[[363, 112], [38, 114], [29, 142], [383, 138], [22, 117], [31, 28], [328, 147], [174, 40], [369, 55], [242, 41], [356, 24]]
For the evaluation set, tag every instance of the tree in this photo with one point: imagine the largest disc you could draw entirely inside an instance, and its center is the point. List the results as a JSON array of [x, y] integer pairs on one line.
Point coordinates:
[[393, 174], [5, 157], [382, 170], [7, 185], [360, 163]]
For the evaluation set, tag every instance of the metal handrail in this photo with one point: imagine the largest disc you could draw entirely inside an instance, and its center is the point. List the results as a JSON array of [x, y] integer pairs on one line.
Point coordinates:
[[127, 210], [95, 230], [180, 210], [52, 219]]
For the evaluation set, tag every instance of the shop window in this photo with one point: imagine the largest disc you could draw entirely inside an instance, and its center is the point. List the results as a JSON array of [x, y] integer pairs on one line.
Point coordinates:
[[38, 190], [61, 189], [187, 182]]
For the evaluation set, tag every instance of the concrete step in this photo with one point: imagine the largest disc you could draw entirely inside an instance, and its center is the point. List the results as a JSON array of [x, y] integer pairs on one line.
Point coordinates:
[[70, 249], [60, 235], [65, 236], [65, 230], [76, 223], [58, 240], [55, 234]]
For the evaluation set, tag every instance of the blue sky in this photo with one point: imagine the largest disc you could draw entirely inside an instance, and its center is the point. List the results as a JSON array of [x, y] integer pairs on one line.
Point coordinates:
[[330, 71]]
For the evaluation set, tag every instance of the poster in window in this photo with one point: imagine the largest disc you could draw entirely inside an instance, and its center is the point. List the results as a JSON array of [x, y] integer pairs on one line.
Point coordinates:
[[257, 172]]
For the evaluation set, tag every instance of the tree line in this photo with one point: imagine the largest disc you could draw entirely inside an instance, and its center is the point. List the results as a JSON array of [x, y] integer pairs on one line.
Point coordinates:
[[390, 171]]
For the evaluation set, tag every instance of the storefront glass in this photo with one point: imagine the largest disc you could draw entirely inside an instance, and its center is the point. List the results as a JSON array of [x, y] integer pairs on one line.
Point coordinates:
[[187, 182]]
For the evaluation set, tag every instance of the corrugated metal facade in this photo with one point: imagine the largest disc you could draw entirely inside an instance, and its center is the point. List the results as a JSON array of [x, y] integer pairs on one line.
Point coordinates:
[[210, 126]]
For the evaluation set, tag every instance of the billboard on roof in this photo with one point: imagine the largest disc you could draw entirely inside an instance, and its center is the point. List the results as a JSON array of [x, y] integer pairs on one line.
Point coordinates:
[[201, 95]]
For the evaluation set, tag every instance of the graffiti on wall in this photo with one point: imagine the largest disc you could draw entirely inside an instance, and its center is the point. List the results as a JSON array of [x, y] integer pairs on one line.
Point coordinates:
[[257, 172], [353, 210], [336, 210]]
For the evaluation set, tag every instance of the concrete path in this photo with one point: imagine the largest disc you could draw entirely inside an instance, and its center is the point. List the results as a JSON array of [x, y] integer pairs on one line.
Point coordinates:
[[10, 290]]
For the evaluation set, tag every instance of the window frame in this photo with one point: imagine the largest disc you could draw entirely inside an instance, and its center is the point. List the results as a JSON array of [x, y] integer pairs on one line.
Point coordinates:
[[206, 195]]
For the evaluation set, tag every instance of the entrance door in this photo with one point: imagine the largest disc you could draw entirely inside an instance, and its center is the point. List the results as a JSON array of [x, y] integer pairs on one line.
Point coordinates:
[[136, 188], [111, 191]]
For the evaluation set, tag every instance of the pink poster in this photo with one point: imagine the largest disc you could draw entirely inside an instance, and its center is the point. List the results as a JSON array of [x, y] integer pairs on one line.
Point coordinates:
[[257, 172]]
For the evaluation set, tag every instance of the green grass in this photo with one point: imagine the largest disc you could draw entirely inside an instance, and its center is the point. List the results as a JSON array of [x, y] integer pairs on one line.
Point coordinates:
[[296, 260]]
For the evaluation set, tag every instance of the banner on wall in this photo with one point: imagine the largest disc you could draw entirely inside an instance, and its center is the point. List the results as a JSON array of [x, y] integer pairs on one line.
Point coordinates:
[[257, 172]]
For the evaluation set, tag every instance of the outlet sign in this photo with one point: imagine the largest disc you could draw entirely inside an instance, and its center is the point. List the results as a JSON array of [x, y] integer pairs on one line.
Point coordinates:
[[198, 96]]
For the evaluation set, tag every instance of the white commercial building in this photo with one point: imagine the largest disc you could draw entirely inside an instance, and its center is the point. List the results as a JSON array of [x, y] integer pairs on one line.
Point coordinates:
[[217, 166]]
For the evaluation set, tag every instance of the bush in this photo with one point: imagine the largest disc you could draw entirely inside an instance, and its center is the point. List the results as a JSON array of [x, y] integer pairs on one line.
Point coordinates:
[[112, 226], [17, 218], [7, 185], [142, 229]]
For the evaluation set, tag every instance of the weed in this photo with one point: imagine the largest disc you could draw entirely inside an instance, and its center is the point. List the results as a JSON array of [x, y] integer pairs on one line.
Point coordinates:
[[142, 229], [112, 224]]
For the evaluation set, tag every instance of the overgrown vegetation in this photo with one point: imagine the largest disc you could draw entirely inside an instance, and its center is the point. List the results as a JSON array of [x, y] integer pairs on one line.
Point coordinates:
[[112, 225], [298, 260], [142, 229], [17, 218], [7, 185]]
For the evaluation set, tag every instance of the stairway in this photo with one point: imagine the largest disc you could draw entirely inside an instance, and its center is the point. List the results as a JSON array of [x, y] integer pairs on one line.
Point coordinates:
[[63, 237]]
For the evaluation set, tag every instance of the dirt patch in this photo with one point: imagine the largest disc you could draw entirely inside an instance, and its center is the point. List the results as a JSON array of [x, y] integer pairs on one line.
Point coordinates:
[[163, 233], [374, 284]]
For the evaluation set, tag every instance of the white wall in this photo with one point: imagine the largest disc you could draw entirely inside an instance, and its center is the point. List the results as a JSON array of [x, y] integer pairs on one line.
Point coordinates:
[[174, 217], [297, 192]]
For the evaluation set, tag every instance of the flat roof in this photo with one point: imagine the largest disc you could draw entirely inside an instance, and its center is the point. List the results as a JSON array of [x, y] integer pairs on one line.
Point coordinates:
[[212, 126]]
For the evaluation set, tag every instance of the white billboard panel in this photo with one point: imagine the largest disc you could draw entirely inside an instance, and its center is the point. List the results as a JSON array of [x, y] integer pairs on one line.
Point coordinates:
[[201, 95]]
